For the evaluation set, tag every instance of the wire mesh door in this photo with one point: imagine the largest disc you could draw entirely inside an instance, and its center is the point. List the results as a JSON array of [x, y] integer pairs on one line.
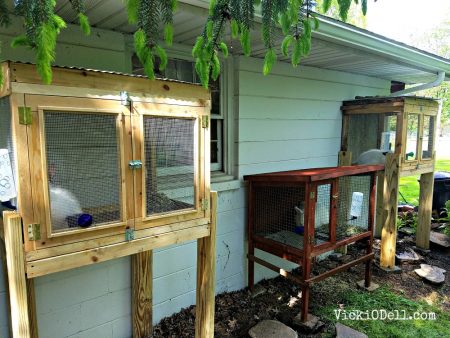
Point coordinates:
[[81, 185], [173, 180]]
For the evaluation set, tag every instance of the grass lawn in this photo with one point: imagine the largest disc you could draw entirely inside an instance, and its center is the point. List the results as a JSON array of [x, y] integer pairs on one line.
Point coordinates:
[[387, 300], [409, 186]]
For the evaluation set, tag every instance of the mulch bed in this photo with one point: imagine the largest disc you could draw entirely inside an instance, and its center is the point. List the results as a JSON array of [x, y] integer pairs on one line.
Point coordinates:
[[237, 312]]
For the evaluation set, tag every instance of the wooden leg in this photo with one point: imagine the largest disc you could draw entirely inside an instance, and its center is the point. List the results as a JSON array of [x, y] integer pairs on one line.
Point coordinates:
[[142, 278], [305, 289], [251, 265], [344, 159], [425, 210], [17, 283], [390, 201], [32, 309], [379, 205], [368, 274], [206, 276]]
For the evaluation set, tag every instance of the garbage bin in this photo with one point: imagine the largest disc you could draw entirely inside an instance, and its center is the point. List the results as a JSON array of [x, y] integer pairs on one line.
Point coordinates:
[[441, 193]]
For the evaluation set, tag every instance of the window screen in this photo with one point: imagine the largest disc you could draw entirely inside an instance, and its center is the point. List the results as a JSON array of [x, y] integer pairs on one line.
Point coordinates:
[[170, 164], [428, 137], [412, 137], [83, 169]]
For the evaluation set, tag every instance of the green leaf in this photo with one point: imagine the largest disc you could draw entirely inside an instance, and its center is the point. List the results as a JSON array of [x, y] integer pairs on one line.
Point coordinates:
[[84, 24], [132, 10], [223, 47], [212, 7], [215, 67], [59, 23], [364, 6], [297, 53], [285, 23], [234, 28], [285, 44], [269, 61], [326, 5], [245, 42], [21, 41], [168, 34], [209, 29], [315, 21], [162, 56], [344, 6], [198, 46], [307, 28]]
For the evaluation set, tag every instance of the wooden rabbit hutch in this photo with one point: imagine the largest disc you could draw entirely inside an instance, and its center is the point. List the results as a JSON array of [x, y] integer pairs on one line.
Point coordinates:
[[405, 126], [104, 165], [298, 215]]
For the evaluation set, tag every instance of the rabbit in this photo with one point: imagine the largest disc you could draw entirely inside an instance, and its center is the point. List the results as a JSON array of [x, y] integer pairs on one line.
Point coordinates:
[[372, 156], [63, 205]]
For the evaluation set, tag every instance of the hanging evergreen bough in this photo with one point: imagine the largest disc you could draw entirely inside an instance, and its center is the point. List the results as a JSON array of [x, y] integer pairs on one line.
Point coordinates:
[[42, 27], [80, 7], [148, 14], [295, 18]]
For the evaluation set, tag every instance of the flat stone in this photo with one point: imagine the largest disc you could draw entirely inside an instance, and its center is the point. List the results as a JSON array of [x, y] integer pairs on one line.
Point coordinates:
[[394, 269], [407, 256], [431, 273], [311, 324], [272, 329], [407, 230], [258, 290], [343, 331], [373, 286], [440, 239]]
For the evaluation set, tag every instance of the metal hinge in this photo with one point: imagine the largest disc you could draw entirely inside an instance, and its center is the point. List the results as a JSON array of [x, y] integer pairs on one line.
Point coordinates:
[[205, 204], [129, 234], [124, 98], [312, 195], [205, 121], [25, 115], [34, 232], [135, 164]]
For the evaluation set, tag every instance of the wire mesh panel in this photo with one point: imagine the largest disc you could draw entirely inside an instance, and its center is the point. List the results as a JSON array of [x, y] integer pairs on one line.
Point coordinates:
[[353, 206], [322, 214], [170, 164], [428, 137], [362, 133], [412, 136], [7, 181], [279, 213], [83, 161]]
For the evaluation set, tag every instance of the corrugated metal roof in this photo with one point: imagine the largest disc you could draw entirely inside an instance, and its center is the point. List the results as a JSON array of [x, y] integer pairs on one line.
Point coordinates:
[[328, 50]]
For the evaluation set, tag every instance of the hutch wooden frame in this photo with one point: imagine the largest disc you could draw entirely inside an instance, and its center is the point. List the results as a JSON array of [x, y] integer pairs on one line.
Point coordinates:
[[308, 181], [370, 122], [33, 248]]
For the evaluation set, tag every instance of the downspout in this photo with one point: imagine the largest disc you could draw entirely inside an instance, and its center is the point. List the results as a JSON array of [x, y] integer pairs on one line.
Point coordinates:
[[440, 78]]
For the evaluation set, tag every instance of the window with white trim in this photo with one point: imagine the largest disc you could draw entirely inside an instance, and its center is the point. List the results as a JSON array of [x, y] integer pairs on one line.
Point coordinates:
[[184, 70]]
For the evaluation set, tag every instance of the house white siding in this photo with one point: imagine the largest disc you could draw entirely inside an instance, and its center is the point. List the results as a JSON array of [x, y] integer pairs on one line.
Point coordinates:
[[287, 120]]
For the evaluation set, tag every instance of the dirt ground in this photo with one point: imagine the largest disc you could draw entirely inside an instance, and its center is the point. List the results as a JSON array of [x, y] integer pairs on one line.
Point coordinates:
[[237, 312]]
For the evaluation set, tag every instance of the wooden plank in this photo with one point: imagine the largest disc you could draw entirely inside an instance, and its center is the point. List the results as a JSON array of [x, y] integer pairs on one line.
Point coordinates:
[[5, 88], [26, 73], [206, 270], [5, 277], [32, 315], [101, 254], [381, 188], [425, 209], [344, 159], [142, 281], [390, 201], [20, 321]]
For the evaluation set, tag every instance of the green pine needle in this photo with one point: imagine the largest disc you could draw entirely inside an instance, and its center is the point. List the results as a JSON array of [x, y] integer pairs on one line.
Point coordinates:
[[168, 34], [285, 44], [215, 67], [344, 6], [269, 61], [234, 28], [209, 29], [326, 5], [20, 41], [245, 41], [132, 10], [162, 56], [364, 6], [297, 53], [223, 47], [285, 23], [198, 46], [84, 24]]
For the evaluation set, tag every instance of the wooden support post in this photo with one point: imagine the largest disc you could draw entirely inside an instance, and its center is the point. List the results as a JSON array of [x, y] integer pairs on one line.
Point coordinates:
[[344, 159], [381, 188], [390, 201], [17, 283], [142, 278], [425, 209], [206, 278], [34, 332]]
